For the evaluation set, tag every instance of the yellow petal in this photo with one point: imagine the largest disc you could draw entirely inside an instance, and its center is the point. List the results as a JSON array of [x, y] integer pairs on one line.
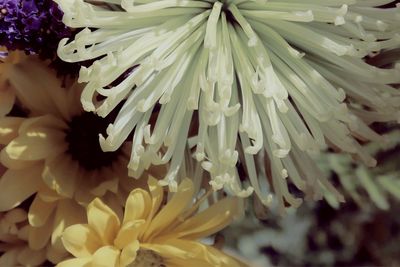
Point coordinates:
[[37, 143], [175, 262], [209, 221], [9, 129], [68, 213], [225, 260], [18, 185], [128, 233], [138, 205], [128, 253], [80, 240], [80, 262], [44, 95], [191, 251], [106, 257], [29, 257], [157, 196], [39, 236], [45, 121], [60, 174], [15, 164], [51, 86], [228, 262], [47, 194], [103, 220], [166, 250], [170, 212], [7, 99], [40, 211], [9, 258]]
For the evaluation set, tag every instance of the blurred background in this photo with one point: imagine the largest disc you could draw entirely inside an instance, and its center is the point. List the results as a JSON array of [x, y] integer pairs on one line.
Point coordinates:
[[363, 231]]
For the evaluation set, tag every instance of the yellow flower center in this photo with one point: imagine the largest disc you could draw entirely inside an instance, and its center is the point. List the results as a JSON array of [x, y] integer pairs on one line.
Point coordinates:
[[147, 258]]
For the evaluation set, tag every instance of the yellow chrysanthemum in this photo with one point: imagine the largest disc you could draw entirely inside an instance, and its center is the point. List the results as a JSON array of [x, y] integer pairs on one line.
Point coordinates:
[[50, 153], [49, 214], [150, 234], [57, 133], [14, 249]]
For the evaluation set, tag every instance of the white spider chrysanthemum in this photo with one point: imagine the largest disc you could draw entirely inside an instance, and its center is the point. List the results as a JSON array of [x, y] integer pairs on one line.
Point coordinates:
[[278, 80]]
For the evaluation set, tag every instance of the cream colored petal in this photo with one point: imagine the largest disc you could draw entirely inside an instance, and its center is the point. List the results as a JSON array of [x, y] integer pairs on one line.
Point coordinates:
[[9, 258], [18, 185], [39, 236], [80, 262], [37, 143], [47, 194], [29, 257], [106, 257], [56, 94], [209, 221], [7, 99], [138, 205], [68, 213], [60, 173], [9, 129], [15, 164], [170, 212], [80, 240], [30, 92], [45, 121], [38, 88], [128, 254], [40, 211], [103, 220]]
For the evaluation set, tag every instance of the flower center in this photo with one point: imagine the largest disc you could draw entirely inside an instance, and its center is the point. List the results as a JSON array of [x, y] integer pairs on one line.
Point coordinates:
[[83, 140], [147, 258], [229, 16]]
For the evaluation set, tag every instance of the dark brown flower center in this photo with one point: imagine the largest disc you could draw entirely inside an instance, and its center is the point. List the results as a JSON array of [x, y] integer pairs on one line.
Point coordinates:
[[83, 141]]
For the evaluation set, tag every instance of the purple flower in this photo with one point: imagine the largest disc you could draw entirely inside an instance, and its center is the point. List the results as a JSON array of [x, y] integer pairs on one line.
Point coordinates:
[[32, 26]]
